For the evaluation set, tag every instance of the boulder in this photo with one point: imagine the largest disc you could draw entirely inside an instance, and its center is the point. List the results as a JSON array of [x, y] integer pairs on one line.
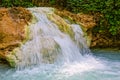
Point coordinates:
[[13, 30], [49, 50]]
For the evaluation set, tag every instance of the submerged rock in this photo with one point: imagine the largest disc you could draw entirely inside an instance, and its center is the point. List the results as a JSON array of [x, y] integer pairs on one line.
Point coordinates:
[[49, 50]]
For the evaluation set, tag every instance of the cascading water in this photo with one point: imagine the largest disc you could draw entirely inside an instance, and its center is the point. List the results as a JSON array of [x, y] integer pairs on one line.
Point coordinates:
[[48, 44], [52, 54]]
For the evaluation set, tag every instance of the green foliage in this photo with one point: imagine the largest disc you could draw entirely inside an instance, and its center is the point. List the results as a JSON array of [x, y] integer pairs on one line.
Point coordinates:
[[16, 3], [52, 2], [110, 10], [7, 3]]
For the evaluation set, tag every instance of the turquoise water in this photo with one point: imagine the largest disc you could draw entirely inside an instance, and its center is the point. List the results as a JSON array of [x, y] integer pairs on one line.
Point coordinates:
[[103, 65]]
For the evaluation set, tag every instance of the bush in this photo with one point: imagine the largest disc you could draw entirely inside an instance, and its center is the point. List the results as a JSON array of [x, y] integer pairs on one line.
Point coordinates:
[[110, 9], [16, 3]]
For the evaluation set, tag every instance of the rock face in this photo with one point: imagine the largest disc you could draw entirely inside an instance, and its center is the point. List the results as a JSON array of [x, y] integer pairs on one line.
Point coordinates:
[[86, 21], [12, 29], [47, 51], [105, 41], [62, 25]]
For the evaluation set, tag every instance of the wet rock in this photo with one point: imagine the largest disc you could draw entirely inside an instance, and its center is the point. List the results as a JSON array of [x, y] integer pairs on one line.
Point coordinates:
[[47, 52], [13, 23], [85, 20], [50, 50], [62, 25], [105, 41]]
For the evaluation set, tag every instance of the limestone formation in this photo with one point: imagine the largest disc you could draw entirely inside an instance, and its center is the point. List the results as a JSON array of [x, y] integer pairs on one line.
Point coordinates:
[[13, 23], [49, 50], [62, 25]]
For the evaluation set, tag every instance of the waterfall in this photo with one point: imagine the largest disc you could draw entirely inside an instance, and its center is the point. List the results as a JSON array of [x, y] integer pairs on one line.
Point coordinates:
[[47, 44]]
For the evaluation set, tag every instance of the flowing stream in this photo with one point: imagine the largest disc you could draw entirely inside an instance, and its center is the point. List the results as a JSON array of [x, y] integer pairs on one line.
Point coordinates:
[[51, 54]]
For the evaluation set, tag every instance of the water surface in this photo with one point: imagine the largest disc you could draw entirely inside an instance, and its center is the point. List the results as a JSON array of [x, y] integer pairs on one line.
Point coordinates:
[[103, 65]]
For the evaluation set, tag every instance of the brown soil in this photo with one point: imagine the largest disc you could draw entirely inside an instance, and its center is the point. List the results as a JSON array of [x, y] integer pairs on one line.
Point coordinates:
[[12, 28]]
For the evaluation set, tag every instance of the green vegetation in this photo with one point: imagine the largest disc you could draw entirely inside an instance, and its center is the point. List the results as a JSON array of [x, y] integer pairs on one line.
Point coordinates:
[[107, 12], [16, 3], [52, 2]]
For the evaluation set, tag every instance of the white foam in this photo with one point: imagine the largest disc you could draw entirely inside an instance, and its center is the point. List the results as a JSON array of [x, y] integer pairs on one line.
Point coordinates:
[[87, 64]]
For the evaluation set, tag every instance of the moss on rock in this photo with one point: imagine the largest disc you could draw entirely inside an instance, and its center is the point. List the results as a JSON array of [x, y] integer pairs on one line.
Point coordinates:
[[62, 25]]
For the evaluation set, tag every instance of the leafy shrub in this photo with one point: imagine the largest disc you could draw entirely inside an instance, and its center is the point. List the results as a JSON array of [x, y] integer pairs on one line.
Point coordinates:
[[110, 9], [52, 2], [16, 3]]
